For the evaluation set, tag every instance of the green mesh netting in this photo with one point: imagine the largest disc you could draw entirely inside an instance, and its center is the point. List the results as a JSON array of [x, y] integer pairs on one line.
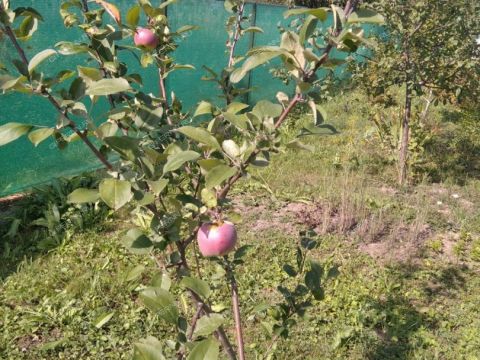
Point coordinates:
[[22, 166]]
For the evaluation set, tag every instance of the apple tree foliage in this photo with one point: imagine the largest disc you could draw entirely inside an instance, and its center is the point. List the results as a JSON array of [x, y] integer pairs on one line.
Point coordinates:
[[429, 49], [171, 167]]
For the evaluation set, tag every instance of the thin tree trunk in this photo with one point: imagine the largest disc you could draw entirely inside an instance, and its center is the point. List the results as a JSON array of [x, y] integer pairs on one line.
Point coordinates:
[[403, 156]]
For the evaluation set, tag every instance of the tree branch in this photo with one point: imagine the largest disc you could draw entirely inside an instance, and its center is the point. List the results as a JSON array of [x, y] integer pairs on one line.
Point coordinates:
[[54, 102]]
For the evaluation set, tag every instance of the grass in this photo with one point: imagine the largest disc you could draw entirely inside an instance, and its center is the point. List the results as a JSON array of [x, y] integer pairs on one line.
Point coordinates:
[[408, 260]]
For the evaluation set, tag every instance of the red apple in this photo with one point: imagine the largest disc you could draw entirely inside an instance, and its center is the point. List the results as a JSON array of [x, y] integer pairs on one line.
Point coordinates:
[[216, 239], [145, 37]]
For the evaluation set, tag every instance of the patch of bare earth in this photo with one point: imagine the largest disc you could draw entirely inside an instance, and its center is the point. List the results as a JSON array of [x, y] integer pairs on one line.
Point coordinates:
[[28, 342], [401, 243], [375, 235]]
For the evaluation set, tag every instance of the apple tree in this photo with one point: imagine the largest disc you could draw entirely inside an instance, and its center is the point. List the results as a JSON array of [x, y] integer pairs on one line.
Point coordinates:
[[174, 168], [428, 48]]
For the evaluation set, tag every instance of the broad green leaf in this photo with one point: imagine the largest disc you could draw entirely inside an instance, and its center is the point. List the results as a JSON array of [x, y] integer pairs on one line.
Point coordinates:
[[208, 324], [265, 108], [240, 121], [205, 350], [209, 198], [252, 62], [313, 280], [106, 87], [115, 193], [37, 136], [8, 82], [89, 74], [162, 280], [137, 242], [200, 135], [127, 147], [231, 148], [135, 273], [320, 13], [27, 27], [148, 349], [39, 58], [160, 302], [218, 175], [69, 48], [307, 28], [236, 107], [133, 16], [175, 161], [200, 287], [158, 186], [12, 131], [103, 319], [366, 16], [81, 196], [203, 108]]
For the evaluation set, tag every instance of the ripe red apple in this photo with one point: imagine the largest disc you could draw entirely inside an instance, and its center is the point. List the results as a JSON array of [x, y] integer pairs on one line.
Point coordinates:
[[216, 239], [145, 37]]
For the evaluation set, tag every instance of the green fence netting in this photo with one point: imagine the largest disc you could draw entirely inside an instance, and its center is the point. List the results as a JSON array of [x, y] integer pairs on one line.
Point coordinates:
[[22, 166]]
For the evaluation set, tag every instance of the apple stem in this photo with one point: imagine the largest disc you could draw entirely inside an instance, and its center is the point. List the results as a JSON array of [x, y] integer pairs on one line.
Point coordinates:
[[236, 309]]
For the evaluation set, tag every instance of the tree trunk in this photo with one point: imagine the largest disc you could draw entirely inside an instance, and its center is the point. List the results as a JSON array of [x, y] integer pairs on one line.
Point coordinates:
[[403, 156]]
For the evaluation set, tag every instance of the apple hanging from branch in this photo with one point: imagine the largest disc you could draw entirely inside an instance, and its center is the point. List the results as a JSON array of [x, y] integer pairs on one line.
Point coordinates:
[[216, 239], [146, 38]]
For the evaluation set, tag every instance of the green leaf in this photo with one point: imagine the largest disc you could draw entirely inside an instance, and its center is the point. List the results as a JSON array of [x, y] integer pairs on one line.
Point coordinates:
[[106, 87], [12, 131], [200, 135], [81, 196], [89, 74], [198, 286], [162, 303], [203, 108], [265, 108], [297, 144], [205, 350], [133, 16], [253, 29], [103, 319], [366, 16], [209, 198], [177, 160], [236, 107], [27, 27], [137, 242], [320, 13], [231, 148], [208, 324], [135, 273], [37, 136], [307, 28], [148, 349], [127, 147], [158, 186], [39, 58], [218, 175], [240, 121], [313, 280], [115, 193], [69, 48], [252, 62]]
